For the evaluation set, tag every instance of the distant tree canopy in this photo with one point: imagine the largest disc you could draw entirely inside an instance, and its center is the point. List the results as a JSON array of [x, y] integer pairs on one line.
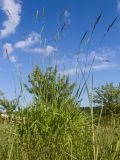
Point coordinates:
[[6, 105], [108, 97], [49, 86]]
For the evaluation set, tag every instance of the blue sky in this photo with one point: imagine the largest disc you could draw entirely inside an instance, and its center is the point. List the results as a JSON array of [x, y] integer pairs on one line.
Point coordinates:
[[48, 32]]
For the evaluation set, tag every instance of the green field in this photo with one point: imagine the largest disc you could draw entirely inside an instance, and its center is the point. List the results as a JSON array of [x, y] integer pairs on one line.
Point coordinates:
[[54, 127]]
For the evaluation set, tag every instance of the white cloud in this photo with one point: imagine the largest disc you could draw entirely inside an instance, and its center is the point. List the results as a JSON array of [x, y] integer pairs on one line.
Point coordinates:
[[45, 51], [32, 39], [66, 13], [7, 51], [118, 6], [104, 65], [70, 72], [97, 67], [12, 9], [13, 59], [104, 59], [99, 55]]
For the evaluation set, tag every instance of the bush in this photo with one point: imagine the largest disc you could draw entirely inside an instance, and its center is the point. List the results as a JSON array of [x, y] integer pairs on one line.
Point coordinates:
[[108, 97], [53, 127], [49, 86], [55, 133]]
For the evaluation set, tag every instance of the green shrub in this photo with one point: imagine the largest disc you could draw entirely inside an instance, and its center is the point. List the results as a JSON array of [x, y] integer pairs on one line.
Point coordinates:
[[55, 133], [49, 86], [108, 97], [53, 127]]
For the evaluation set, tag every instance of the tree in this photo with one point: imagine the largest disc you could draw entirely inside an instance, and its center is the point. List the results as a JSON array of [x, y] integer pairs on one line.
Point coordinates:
[[49, 86], [108, 97], [6, 105]]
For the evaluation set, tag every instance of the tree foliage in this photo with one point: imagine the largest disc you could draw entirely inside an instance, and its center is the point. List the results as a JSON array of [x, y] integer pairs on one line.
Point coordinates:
[[108, 97], [49, 87], [6, 105]]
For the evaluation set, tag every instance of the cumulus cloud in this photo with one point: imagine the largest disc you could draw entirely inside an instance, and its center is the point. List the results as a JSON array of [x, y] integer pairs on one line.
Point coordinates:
[[101, 54], [12, 10], [101, 59], [7, 47], [48, 50], [97, 67], [32, 39], [13, 59], [7, 51], [66, 13], [118, 6], [104, 65]]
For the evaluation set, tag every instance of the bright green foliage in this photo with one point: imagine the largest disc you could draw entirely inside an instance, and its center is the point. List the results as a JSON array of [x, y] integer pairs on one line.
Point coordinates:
[[52, 127], [6, 105], [50, 86], [54, 133], [108, 97]]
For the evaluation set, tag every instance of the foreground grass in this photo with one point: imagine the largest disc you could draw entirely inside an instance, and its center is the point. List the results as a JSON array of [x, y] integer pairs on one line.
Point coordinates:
[[48, 133], [57, 134]]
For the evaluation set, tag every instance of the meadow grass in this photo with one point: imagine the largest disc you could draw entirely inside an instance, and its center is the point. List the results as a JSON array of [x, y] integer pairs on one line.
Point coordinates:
[[64, 133]]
